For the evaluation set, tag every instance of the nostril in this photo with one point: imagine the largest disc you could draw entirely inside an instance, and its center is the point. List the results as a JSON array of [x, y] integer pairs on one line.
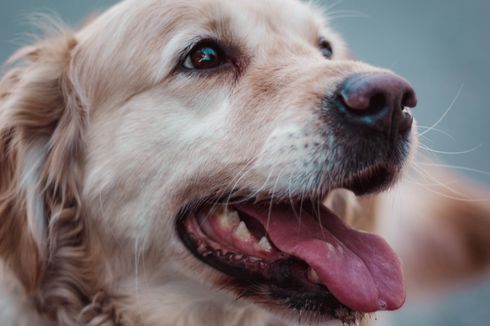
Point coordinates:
[[377, 103], [409, 99]]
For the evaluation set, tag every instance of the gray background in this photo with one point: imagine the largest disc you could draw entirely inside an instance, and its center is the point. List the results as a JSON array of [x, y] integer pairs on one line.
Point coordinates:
[[442, 47]]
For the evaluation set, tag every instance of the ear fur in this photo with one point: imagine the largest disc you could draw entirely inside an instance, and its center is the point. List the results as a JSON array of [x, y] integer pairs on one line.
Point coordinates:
[[42, 232]]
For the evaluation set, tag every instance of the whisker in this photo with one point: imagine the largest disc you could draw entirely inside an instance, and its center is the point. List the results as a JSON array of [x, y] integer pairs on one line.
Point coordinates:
[[264, 184], [346, 12], [445, 112], [291, 201], [436, 181], [461, 197], [342, 16], [449, 196], [334, 4], [456, 167], [428, 184], [318, 216], [272, 198], [301, 210], [246, 169], [445, 133], [426, 148]]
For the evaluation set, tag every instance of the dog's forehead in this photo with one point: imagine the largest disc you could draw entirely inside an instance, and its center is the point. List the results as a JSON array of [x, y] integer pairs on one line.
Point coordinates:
[[249, 19], [161, 31], [271, 16], [253, 22]]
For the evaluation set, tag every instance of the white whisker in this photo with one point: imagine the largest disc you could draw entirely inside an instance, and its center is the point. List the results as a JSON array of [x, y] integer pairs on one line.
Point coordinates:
[[445, 112], [456, 167], [342, 16], [436, 182], [449, 196], [319, 217], [291, 202], [426, 148], [272, 198], [431, 129], [334, 4]]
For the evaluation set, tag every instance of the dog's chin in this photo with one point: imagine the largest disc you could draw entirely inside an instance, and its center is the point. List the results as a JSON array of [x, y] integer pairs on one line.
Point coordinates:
[[294, 255]]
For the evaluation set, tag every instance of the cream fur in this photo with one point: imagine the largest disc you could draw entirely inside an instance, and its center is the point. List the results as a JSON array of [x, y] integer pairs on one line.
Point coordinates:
[[103, 142]]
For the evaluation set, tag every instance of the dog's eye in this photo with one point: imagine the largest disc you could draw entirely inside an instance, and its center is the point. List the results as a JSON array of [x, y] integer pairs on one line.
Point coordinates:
[[326, 48], [205, 55]]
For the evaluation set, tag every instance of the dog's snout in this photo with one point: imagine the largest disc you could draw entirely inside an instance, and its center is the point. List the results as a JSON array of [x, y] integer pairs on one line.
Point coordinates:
[[379, 101]]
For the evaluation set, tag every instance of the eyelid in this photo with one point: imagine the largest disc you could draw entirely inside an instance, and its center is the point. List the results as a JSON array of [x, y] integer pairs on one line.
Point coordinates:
[[324, 40], [184, 53]]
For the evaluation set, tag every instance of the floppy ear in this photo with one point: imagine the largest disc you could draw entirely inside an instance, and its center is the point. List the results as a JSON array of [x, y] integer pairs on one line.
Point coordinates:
[[440, 225], [42, 233]]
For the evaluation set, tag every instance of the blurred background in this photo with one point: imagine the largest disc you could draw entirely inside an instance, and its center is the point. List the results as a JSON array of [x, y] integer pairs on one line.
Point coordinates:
[[442, 47]]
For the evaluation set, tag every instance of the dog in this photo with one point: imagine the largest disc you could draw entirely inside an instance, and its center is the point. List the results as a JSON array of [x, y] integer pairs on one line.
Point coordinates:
[[217, 162]]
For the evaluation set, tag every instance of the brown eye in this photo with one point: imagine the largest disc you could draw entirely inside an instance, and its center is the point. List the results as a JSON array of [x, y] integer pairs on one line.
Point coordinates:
[[204, 56], [326, 48]]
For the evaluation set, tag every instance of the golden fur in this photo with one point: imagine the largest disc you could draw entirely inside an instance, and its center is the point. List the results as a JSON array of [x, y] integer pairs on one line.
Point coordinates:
[[92, 172]]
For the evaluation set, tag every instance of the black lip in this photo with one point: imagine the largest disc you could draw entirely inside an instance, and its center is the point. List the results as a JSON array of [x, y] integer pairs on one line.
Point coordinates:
[[373, 180], [278, 285]]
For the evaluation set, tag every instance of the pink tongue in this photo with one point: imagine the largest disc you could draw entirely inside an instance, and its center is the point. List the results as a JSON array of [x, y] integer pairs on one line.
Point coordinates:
[[360, 269]]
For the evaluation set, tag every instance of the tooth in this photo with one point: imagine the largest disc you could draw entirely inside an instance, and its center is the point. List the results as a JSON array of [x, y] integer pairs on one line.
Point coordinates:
[[313, 276], [242, 232], [265, 244], [228, 219]]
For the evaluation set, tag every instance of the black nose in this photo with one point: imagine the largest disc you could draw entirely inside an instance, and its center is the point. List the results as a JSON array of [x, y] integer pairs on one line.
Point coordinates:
[[378, 101]]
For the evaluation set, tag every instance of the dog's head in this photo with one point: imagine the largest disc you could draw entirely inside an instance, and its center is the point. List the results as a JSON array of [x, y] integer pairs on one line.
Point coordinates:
[[200, 138]]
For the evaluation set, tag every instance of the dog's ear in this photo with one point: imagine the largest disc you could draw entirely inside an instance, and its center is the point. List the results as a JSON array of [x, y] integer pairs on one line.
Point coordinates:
[[440, 225], [42, 120]]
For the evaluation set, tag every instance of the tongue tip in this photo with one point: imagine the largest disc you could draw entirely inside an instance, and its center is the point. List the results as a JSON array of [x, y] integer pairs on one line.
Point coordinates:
[[394, 303], [388, 304], [379, 305], [383, 305]]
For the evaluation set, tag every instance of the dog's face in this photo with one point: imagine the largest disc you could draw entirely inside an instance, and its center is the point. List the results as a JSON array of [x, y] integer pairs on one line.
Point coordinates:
[[216, 122], [215, 130]]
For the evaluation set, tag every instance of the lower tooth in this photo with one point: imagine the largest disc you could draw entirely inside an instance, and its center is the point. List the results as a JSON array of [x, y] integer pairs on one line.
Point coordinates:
[[313, 276]]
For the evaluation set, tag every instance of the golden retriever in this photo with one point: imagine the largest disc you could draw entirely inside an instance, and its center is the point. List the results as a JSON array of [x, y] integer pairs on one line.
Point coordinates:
[[167, 163]]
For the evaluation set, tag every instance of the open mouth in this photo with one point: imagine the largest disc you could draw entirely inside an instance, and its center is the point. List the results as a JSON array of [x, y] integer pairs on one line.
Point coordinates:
[[297, 255]]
